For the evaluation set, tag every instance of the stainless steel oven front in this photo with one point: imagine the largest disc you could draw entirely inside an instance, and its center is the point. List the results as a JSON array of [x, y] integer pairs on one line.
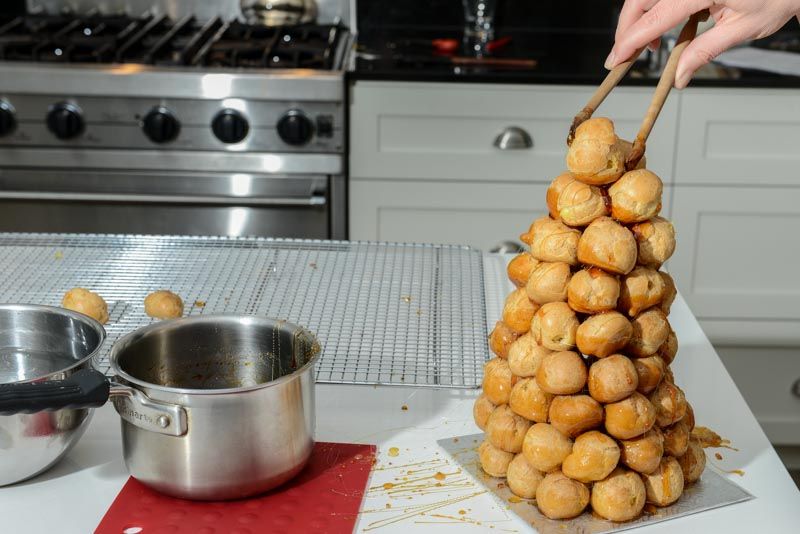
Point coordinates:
[[303, 197]]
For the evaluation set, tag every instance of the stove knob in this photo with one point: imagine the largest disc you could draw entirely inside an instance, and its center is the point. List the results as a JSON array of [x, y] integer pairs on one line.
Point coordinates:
[[65, 121], [160, 125], [295, 128], [230, 126], [8, 122]]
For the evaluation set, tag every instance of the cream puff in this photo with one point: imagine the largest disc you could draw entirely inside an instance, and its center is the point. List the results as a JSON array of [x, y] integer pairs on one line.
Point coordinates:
[[607, 244], [664, 486], [497, 381], [612, 379], [669, 349], [650, 371], [554, 190], [670, 403], [530, 401], [640, 289], [562, 373], [554, 326], [518, 311], [594, 456], [560, 497], [670, 292], [552, 240], [629, 417], [693, 461], [650, 331], [603, 334], [86, 302], [643, 453], [545, 447], [501, 338], [525, 356], [595, 156], [481, 410], [689, 417], [520, 267], [506, 430], [636, 196], [548, 282], [494, 461], [593, 290], [573, 415], [619, 497], [580, 203], [655, 240], [676, 439], [522, 478]]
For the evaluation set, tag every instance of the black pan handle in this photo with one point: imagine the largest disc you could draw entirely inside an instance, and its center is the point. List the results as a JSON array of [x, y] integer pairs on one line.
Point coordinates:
[[86, 388]]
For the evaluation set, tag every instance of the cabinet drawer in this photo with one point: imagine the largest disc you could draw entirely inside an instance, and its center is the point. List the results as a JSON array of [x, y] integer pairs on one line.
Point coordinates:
[[737, 255], [767, 377], [465, 213], [446, 131], [746, 137], [476, 214]]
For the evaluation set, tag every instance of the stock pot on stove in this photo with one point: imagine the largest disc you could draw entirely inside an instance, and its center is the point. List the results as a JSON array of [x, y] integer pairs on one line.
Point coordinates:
[[212, 407]]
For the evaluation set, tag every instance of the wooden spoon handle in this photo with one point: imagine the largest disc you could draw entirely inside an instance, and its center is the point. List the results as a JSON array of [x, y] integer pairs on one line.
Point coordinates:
[[665, 84], [612, 80]]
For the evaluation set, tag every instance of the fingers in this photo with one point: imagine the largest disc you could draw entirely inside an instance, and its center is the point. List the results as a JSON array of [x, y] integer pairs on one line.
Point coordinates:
[[632, 11], [663, 16], [707, 46]]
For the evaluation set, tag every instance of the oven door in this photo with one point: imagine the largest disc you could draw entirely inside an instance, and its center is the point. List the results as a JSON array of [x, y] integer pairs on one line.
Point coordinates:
[[145, 202]]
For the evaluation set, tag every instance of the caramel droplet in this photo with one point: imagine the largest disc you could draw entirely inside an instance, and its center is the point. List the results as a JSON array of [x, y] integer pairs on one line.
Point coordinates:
[[394, 451], [439, 476], [388, 486]]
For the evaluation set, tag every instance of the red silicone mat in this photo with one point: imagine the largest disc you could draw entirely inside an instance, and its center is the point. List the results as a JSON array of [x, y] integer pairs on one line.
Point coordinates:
[[325, 497]]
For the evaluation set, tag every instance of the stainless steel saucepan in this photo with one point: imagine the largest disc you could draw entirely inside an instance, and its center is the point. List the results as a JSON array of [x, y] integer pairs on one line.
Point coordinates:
[[212, 407]]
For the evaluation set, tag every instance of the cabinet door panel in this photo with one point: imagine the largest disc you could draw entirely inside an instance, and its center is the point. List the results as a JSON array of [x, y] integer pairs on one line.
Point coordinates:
[[447, 131], [737, 254], [746, 137]]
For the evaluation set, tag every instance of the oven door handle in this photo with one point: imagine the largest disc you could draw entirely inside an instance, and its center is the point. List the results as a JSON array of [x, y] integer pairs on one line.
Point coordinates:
[[314, 200]]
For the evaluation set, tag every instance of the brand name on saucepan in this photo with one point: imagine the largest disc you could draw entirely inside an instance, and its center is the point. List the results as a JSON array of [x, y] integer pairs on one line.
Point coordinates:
[[127, 412]]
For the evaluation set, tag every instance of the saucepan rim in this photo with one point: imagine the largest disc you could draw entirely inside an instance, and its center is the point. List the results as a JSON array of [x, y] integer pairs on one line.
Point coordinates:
[[127, 340], [85, 319]]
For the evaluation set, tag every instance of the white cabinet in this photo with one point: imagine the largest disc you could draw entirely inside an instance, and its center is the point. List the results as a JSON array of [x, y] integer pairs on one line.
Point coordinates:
[[769, 378], [423, 165], [736, 209], [478, 214], [446, 132], [746, 137]]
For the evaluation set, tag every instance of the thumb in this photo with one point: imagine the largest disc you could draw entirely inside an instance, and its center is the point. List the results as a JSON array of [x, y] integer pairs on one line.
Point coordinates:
[[707, 46]]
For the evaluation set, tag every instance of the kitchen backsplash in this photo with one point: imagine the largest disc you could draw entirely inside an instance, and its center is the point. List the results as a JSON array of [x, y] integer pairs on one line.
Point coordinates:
[[329, 10], [510, 14]]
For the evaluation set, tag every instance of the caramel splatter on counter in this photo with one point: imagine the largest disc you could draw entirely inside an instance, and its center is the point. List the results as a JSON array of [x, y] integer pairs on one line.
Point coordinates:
[[394, 451], [718, 456], [406, 299], [200, 303], [709, 438], [388, 486], [404, 408], [439, 475]]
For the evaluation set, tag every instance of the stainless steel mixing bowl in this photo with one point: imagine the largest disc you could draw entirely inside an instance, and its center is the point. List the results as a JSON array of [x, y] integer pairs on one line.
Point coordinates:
[[40, 343]]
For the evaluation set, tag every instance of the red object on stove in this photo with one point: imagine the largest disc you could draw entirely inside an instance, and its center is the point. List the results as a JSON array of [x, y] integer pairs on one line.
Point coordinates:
[[324, 498]]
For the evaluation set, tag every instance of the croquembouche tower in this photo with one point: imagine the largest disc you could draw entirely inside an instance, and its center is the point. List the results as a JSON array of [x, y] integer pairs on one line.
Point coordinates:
[[579, 406]]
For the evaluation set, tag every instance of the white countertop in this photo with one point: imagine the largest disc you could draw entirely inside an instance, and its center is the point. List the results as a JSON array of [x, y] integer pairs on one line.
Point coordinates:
[[73, 496]]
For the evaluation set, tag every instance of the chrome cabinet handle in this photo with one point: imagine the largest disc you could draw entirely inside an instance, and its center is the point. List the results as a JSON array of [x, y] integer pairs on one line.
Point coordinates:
[[513, 138], [796, 388]]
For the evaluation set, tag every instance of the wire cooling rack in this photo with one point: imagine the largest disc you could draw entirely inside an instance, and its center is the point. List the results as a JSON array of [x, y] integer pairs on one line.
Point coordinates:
[[384, 313]]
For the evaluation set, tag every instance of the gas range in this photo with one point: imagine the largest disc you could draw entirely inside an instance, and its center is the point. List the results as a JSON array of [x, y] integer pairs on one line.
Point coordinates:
[[154, 112], [215, 81]]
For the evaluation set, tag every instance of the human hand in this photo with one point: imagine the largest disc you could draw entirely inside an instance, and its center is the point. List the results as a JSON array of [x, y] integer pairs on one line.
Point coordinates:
[[642, 22]]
